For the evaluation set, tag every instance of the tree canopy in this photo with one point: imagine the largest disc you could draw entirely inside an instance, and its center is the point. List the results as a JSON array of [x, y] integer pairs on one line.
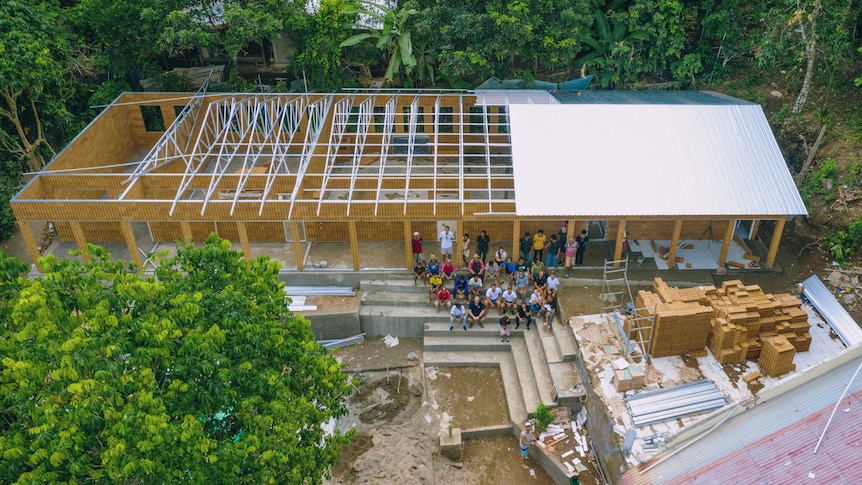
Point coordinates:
[[196, 373]]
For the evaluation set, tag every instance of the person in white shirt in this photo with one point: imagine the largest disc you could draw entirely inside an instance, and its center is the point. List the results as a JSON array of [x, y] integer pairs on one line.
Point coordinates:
[[492, 298], [536, 301], [446, 238], [510, 297], [553, 283], [458, 313]]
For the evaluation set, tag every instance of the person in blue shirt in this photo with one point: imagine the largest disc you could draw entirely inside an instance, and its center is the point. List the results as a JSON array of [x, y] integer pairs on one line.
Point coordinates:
[[461, 288]]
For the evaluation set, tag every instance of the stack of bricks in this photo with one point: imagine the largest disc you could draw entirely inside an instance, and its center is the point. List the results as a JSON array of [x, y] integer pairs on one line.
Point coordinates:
[[777, 356], [733, 321], [682, 319]]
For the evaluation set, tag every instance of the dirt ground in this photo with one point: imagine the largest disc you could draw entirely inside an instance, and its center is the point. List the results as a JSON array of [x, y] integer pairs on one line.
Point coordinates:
[[397, 427]]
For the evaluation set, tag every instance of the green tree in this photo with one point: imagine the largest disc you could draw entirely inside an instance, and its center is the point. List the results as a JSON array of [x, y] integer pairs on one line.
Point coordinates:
[[197, 373], [33, 60], [319, 60], [612, 46], [393, 36]]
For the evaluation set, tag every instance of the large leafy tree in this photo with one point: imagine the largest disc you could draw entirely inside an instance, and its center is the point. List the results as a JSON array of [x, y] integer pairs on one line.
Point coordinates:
[[198, 373], [34, 56], [392, 31]]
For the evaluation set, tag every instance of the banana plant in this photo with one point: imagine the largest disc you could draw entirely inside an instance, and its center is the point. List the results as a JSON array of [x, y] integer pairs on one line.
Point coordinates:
[[611, 43], [393, 36]]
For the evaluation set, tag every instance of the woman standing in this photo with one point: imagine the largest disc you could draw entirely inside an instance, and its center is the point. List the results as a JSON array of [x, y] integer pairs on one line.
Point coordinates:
[[466, 250]]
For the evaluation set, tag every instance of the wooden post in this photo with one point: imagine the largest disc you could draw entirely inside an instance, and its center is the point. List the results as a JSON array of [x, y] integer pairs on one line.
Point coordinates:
[[674, 242], [80, 240], [773, 243], [129, 236], [459, 244], [354, 244], [30, 241], [618, 250], [725, 242], [243, 240], [408, 244], [755, 225], [296, 237], [516, 237], [186, 228]]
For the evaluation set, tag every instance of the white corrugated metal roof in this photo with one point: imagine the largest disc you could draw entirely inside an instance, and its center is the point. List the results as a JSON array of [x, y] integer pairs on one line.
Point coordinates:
[[504, 97], [616, 160]]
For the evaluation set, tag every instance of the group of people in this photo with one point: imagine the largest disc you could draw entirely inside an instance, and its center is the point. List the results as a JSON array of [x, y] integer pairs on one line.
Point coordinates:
[[519, 291], [561, 246]]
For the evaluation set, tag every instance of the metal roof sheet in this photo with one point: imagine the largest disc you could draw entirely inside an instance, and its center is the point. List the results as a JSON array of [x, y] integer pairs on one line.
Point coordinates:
[[773, 442], [832, 311], [647, 97], [504, 97], [617, 160]]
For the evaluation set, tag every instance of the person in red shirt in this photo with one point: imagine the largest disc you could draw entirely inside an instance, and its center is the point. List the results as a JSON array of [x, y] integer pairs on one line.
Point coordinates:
[[416, 243], [448, 270], [444, 298]]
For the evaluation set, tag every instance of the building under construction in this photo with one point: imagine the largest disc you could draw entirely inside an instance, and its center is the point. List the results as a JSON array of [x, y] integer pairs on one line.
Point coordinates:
[[284, 172]]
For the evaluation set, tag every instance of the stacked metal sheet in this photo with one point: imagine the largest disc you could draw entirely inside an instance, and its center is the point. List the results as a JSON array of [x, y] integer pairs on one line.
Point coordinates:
[[331, 344], [674, 402], [319, 290], [832, 311]]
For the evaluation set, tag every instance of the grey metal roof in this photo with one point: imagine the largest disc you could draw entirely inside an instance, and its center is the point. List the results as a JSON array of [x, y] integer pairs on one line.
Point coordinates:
[[773, 442], [504, 97], [652, 159], [647, 97]]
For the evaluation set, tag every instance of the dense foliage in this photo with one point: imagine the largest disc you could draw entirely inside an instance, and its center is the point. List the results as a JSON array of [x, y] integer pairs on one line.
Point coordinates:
[[197, 373]]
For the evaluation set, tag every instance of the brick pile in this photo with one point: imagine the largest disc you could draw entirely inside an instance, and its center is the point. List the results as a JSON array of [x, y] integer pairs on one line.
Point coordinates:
[[734, 321]]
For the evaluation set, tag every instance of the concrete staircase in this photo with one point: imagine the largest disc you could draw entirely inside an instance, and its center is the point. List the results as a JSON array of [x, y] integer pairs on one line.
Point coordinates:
[[536, 366]]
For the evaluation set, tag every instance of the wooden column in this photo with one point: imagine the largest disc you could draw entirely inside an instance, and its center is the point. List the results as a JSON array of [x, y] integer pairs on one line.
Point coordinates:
[[674, 242], [459, 244], [296, 237], [408, 244], [618, 250], [186, 228], [516, 236], [243, 240], [755, 225], [129, 236], [725, 242], [80, 240], [354, 244], [773, 243], [30, 241]]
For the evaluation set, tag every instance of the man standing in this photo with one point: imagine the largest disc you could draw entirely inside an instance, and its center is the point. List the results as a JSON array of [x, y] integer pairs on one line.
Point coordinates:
[[582, 241], [525, 441], [446, 238], [539, 243], [416, 242], [458, 314], [553, 251], [476, 313], [482, 243], [526, 245]]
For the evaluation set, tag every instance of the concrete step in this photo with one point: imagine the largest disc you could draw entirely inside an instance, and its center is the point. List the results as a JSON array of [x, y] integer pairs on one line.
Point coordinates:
[[566, 342], [552, 350], [526, 379], [438, 329], [506, 363], [539, 361], [399, 299], [393, 285], [465, 342], [377, 320]]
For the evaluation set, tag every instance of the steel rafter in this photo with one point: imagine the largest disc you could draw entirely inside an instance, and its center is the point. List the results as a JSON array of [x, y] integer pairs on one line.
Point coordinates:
[[389, 115]]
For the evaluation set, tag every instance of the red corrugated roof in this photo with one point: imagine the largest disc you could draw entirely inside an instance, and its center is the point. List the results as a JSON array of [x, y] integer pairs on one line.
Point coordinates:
[[786, 456]]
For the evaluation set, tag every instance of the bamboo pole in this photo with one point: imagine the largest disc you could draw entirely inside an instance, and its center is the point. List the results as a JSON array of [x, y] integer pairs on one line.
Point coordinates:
[[516, 237], [243, 240], [129, 236], [755, 225], [354, 244], [80, 240], [30, 241], [618, 249], [186, 228], [296, 237], [408, 244]]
